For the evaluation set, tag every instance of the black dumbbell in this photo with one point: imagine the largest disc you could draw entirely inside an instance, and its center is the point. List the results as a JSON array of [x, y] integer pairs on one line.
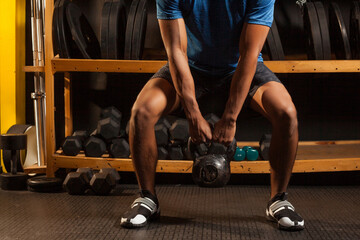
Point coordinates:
[[195, 150], [104, 182], [112, 112], [179, 130], [94, 146], [202, 148], [165, 122], [109, 125], [176, 152], [13, 180], [76, 183], [162, 132], [74, 144], [108, 128], [162, 153], [119, 148], [265, 146], [211, 118]]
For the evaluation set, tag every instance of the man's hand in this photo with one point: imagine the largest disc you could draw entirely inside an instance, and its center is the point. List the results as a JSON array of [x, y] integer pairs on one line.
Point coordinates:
[[224, 131], [199, 129]]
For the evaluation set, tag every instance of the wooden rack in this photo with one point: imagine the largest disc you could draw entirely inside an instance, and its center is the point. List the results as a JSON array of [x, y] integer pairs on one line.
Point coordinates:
[[312, 156]]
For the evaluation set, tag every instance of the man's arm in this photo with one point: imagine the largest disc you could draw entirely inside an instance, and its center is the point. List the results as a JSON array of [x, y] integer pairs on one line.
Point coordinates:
[[174, 37], [252, 40]]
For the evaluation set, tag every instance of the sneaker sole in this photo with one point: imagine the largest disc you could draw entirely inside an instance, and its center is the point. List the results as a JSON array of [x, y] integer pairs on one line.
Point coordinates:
[[129, 225], [281, 227]]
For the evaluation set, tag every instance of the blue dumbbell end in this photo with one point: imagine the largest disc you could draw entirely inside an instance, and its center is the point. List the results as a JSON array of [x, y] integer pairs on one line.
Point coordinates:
[[239, 154], [252, 154]]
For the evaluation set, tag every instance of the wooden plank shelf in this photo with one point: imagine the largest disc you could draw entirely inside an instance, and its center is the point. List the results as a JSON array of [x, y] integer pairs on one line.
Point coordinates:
[[322, 156], [34, 69], [185, 166], [120, 66], [35, 169], [147, 66]]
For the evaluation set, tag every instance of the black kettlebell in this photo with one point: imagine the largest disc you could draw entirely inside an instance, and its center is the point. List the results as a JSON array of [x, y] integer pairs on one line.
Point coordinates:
[[212, 170], [211, 166]]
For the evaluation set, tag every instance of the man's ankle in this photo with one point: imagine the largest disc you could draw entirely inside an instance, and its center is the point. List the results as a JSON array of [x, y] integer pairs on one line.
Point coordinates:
[[146, 193]]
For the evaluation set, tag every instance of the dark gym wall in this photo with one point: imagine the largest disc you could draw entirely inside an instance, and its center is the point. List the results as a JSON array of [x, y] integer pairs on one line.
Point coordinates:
[[327, 104]]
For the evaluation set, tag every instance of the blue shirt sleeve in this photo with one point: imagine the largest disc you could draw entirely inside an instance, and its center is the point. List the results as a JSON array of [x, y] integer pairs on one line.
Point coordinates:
[[260, 12], [168, 9]]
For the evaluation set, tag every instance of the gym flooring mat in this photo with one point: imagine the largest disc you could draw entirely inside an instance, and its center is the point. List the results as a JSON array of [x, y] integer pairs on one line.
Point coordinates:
[[187, 212]]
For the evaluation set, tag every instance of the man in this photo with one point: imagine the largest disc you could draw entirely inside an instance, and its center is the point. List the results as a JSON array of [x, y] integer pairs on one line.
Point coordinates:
[[214, 46]]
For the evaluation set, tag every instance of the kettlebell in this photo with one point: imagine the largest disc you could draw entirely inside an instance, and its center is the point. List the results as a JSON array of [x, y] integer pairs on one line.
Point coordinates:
[[211, 170], [211, 166]]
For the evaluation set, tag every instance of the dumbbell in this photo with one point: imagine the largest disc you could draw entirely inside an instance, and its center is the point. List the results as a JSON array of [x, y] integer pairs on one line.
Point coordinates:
[[74, 144], [264, 144], [162, 153], [104, 182], [211, 118], [13, 180], [108, 126], [162, 132], [94, 146], [194, 150], [77, 183], [251, 153], [239, 154], [175, 150], [119, 148], [112, 112], [179, 130]]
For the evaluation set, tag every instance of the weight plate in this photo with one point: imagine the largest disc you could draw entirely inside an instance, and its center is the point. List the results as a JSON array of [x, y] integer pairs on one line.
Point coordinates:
[[355, 30], [154, 45], [105, 18], [44, 184], [82, 33], [64, 34], [13, 142], [270, 47], [10, 181], [117, 30], [273, 44], [15, 129], [324, 30], [139, 32], [340, 43], [312, 31], [129, 29], [279, 47], [55, 29]]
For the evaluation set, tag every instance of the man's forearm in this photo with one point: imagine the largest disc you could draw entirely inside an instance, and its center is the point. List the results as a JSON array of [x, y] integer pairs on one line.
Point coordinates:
[[240, 86], [183, 82]]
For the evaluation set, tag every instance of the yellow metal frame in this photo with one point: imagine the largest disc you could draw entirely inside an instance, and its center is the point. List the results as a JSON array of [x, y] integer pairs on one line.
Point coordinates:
[[12, 58]]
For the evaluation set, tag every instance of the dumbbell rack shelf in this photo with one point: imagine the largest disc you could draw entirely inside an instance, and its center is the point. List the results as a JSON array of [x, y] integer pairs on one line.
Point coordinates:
[[143, 66], [311, 157]]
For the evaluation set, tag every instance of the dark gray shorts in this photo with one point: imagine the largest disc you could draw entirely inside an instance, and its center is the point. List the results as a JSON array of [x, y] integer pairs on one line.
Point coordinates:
[[209, 88]]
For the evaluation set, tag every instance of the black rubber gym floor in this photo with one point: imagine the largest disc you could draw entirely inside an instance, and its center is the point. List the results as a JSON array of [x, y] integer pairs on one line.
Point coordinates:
[[188, 212]]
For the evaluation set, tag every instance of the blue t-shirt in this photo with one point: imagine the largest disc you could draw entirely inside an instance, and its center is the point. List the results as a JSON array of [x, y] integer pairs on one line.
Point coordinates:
[[213, 28]]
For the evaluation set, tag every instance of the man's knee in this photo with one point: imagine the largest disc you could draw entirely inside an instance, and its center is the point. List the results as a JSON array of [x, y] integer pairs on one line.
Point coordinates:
[[143, 115], [286, 117]]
